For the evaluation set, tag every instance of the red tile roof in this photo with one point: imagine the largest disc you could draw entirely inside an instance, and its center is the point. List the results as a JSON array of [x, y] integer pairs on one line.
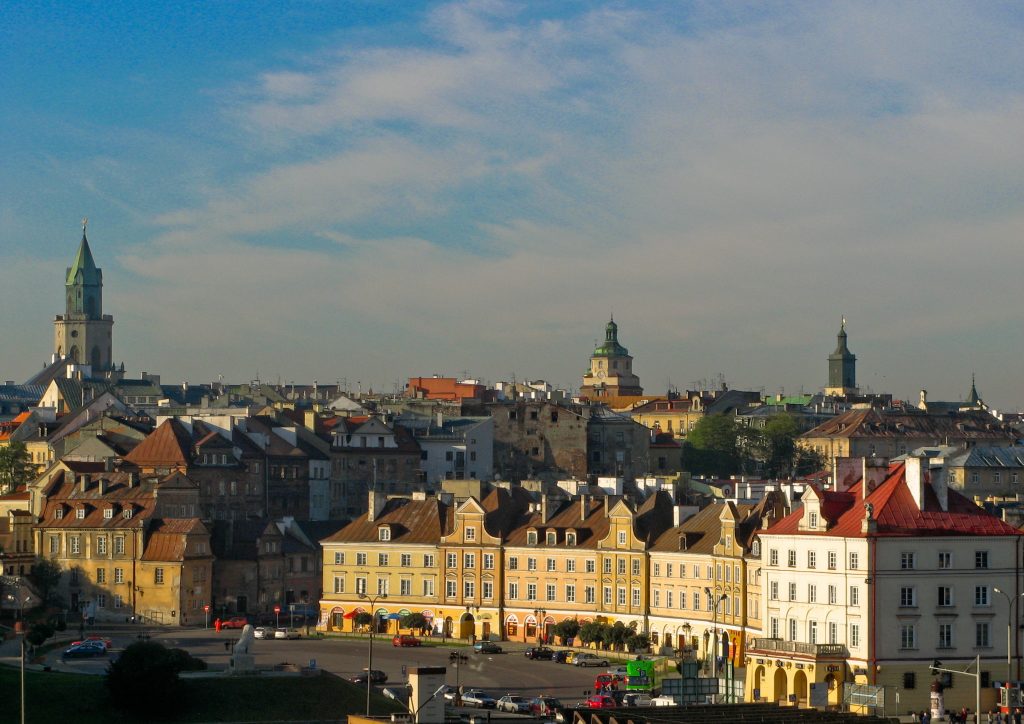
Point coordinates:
[[168, 445], [897, 514]]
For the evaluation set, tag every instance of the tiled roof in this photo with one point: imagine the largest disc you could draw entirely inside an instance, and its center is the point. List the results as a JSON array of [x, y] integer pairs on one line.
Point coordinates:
[[701, 531], [411, 521], [65, 493], [874, 423], [169, 445], [897, 514], [168, 538], [590, 528]]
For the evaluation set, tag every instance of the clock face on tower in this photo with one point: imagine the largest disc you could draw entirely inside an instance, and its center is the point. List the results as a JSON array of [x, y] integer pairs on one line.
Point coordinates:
[[600, 374]]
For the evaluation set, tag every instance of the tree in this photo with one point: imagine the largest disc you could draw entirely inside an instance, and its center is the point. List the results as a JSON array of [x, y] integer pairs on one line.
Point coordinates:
[[144, 679], [45, 576], [567, 629], [414, 622], [638, 642], [363, 618], [15, 467], [591, 632], [38, 634], [712, 447]]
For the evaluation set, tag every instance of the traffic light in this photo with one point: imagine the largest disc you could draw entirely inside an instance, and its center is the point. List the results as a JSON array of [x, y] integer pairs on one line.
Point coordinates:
[[936, 665]]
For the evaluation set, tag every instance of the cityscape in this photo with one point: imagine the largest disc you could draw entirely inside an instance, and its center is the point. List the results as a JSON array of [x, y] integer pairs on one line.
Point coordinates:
[[279, 461]]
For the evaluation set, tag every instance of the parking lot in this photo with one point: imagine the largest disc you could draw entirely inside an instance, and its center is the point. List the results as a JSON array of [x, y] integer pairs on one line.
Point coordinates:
[[509, 672]]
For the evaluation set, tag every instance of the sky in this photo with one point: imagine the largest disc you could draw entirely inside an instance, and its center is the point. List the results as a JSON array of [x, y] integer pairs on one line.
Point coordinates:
[[367, 191]]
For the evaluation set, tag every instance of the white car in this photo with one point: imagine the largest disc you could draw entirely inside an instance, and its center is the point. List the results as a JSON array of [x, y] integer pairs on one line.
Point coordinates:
[[478, 698], [263, 633], [589, 660], [286, 633], [513, 704]]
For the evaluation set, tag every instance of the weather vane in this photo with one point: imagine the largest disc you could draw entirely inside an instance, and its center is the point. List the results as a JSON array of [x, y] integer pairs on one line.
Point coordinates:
[[85, 223]]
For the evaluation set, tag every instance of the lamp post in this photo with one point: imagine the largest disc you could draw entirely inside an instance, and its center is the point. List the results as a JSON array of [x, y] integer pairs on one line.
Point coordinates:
[[937, 666], [714, 628], [540, 615], [369, 656], [1009, 631]]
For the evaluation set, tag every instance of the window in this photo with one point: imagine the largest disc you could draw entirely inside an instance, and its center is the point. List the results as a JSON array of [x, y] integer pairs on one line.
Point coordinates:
[[550, 592], [773, 557], [531, 538], [982, 634], [513, 590], [668, 570], [908, 597], [907, 636], [531, 591], [981, 596], [360, 585], [636, 597], [621, 595], [812, 593], [668, 599], [405, 560], [570, 565], [119, 546], [158, 576], [383, 533], [468, 589], [339, 584], [360, 559], [382, 586], [118, 575], [450, 589], [570, 539], [812, 559], [831, 560], [854, 596], [470, 533], [513, 563], [75, 544], [657, 569], [981, 559], [812, 632], [80, 513], [589, 595], [607, 596], [945, 597], [696, 601], [488, 590], [127, 513], [428, 560], [607, 566], [339, 558], [790, 559], [774, 628], [832, 594], [591, 565], [636, 567], [101, 600], [469, 560], [774, 591], [622, 537], [101, 545], [657, 598], [833, 632], [54, 544], [101, 575], [382, 560], [621, 566], [531, 564], [488, 561], [945, 559], [551, 564], [118, 601], [909, 680], [792, 592], [58, 513], [452, 560], [551, 537], [945, 635], [792, 629], [855, 635], [908, 561], [405, 586], [854, 561]]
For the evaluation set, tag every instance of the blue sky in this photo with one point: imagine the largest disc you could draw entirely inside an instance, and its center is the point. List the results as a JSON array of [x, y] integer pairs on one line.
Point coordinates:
[[376, 190]]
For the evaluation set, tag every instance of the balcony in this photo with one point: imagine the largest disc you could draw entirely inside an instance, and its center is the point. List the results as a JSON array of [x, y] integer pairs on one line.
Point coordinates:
[[818, 651]]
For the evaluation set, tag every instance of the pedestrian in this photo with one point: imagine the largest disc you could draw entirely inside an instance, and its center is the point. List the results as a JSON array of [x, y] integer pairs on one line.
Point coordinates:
[[1017, 716]]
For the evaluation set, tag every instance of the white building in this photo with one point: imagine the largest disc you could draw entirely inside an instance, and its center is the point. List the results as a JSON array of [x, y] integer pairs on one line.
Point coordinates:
[[456, 448]]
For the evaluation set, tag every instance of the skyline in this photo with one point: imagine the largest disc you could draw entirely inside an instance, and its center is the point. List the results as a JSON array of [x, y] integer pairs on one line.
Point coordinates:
[[477, 186]]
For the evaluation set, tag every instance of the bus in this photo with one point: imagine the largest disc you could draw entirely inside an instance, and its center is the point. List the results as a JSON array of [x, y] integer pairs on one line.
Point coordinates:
[[639, 675]]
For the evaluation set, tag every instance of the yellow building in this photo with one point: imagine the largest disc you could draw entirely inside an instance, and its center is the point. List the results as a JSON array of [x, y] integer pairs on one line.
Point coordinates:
[[676, 416]]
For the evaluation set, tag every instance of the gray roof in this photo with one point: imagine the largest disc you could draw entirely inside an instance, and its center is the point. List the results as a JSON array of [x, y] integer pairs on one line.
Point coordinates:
[[991, 457]]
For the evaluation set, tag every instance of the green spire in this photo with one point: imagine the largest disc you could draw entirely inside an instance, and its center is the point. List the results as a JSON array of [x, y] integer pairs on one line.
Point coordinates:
[[83, 263], [973, 398]]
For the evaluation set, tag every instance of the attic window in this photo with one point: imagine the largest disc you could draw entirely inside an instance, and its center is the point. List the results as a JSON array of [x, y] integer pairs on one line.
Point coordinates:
[[531, 537], [80, 513], [755, 549], [470, 533], [384, 533], [812, 521], [570, 539], [127, 513], [58, 513], [108, 513], [552, 537]]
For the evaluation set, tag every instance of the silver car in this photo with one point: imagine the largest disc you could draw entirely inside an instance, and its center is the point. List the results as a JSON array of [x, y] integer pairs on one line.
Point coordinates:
[[513, 704]]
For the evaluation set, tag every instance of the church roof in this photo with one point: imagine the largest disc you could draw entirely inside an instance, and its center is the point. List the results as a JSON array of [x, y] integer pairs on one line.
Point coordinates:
[[85, 264], [611, 346]]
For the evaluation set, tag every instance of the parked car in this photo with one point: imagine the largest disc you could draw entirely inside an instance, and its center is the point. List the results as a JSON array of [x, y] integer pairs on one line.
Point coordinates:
[[235, 622], [600, 701], [85, 650], [478, 698], [513, 704], [263, 632], [539, 653], [560, 657], [664, 700], [589, 660], [637, 698], [486, 647], [545, 706], [405, 640], [376, 677], [107, 643], [570, 656], [286, 633]]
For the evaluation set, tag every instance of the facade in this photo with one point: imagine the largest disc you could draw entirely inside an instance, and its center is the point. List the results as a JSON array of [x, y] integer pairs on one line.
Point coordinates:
[[455, 448], [987, 471], [84, 334], [675, 416], [611, 369], [871, 583], [616, 445], [538, 437]]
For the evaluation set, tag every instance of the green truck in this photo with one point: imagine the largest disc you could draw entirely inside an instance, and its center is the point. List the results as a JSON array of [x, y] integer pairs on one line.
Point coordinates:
[[639, 675]]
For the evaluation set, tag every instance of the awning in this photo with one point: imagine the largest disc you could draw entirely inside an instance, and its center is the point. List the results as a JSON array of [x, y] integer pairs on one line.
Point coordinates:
[[393, 616], [428, 614]]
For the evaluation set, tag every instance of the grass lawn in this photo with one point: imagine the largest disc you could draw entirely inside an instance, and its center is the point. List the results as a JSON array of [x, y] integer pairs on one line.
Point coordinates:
[[84, 699]]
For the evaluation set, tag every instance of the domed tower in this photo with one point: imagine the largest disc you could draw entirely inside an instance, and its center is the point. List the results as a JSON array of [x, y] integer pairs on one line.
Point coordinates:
[[611, 368], [84, 334], [842, 368]]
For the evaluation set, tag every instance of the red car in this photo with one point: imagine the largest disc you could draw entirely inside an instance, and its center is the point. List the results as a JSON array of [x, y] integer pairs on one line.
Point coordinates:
[[600, 701], [405, 640], [235, 622], [107, 643]]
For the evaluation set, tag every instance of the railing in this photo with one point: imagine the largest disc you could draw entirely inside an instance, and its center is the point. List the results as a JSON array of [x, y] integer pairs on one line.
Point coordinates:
[[800, 647]]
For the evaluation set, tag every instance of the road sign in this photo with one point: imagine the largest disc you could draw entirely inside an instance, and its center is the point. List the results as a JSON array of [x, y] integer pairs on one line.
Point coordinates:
[[206, 608], [277, 609]]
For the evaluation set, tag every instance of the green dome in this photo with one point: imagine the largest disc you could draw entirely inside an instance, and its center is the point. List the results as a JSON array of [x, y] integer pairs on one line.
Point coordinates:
[[611, 346]]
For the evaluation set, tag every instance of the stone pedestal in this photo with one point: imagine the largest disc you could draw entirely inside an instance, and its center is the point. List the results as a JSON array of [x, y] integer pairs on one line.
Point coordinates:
[[242, 664]]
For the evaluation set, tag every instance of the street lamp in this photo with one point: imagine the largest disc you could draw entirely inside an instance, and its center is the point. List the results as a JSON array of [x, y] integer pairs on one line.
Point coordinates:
[[1009, 630], [540, 615], [369, 657], [937, 666], [714, 627]]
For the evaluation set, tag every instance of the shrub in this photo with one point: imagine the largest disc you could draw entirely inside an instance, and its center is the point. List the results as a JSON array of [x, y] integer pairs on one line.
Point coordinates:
[[38, 634], [144, 679]]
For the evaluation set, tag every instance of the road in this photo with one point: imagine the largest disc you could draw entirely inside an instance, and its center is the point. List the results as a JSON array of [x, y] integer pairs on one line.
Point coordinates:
[[498, 674]]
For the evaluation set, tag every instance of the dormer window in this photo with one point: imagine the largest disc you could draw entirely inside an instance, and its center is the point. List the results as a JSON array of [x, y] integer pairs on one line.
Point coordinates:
[[551, 538], [470, 533], [570, 539], [80, 513], [58, 513], [531, 537], [755, 549], [384, 533], [108, 513], [812, 521], [622, 537], [127, 513]]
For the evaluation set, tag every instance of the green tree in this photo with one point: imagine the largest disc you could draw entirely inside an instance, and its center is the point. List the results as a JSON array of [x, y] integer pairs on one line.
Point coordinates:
[[144, 679], [591, 632], [638, 642], [38, 634], [15, 467], [567, 629], [414, 622], [363, 618], [45, 575], [712, 447]]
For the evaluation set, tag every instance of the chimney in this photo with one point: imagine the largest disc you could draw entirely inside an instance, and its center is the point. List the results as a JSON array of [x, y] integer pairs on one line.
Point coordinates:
[[310, 420], [923, 403], [584, 506], [101, 486], [606, 505], [440, 418], [677, 515], [916, 474], [133, 479], [543, 509], [939, 476], [845, 472], [85, 479], [874, 473], [375, 505], [108, 464]]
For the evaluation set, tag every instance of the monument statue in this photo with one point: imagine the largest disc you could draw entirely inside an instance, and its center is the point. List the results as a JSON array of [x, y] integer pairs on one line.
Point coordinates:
[[242, 660]]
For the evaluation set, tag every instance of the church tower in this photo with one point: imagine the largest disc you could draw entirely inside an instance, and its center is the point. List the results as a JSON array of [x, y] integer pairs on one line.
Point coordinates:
[[611, 369], [84, 334], [842, 368]]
